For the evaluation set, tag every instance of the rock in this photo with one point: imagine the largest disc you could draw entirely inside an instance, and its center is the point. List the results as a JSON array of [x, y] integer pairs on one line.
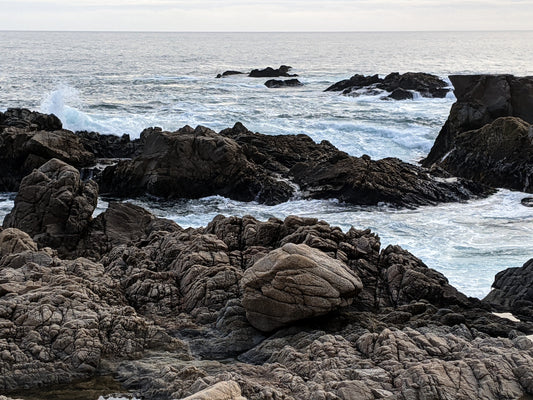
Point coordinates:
[[293, 283], [527, 201], [275, 83], [512, 290], [400, 85], [22, 150], [229, 73], [500, 155], [480, 100], [14, 241], [270, 72], [400, 94], [109, 146], [54, 206], [192, 163], [29, 120], [228, 390], [321, 171]]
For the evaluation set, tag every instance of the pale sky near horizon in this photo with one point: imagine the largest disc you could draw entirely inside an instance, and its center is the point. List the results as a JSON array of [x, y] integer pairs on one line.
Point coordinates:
[[269, 15]]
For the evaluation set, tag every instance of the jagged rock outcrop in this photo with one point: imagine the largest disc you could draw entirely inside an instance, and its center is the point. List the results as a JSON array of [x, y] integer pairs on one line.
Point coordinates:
[[512, 291], [278, 83], [54, 206], [29, 120], [192, 163], [270, 72], [480, 100], [322, 172], [400, 85], [60, 319], [295, 282], [13, 241], [500, 155], [109, 146]]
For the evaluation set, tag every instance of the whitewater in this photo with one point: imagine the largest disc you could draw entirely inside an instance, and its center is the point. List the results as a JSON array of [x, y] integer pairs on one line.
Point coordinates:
[[121, 83]]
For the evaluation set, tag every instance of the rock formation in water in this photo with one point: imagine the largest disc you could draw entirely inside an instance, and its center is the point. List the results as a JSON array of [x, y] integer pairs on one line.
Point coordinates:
[[167, 311], [399, 85], [278, 83], [480, 100], [270, 72], [246, 166]]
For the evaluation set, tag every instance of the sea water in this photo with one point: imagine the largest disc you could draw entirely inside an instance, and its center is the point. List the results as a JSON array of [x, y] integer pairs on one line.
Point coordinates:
[[119, 83]]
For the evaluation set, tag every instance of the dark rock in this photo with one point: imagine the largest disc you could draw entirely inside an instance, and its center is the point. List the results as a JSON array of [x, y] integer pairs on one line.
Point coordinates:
[[400, 85], [512, 290], [54, 206], [322, 171], [29, 120], [527, 201], [229, 73], [192, 163], [275, 83], [22, 150], [500, 155], [270, 72], [480, 100], [400, 94], [109, 146]]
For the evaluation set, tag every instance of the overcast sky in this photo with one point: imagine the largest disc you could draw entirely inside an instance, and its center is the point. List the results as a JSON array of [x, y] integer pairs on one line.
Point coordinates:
[[268, 15]]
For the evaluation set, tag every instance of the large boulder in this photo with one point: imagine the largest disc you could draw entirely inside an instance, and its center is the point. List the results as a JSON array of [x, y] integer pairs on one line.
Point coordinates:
[[227, 390], [500, 154], [14, 240], [54, 206], [400, 85], [480, 100], [295, 282], [192, 163]]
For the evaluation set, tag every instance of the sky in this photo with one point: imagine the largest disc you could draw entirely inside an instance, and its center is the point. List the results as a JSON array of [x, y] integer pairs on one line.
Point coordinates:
[[267, 15]]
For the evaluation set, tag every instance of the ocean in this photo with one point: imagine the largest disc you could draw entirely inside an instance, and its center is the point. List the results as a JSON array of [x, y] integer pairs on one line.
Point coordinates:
[[117, 83]]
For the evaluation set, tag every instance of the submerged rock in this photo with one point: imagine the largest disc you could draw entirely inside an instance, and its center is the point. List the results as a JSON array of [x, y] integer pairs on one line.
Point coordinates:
[[276, 83], [229, 73], [295, 282]]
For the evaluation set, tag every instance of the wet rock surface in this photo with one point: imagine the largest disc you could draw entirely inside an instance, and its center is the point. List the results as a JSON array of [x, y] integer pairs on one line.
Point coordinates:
[[270, 72], [481, 99], [278, 83], [400, 85]]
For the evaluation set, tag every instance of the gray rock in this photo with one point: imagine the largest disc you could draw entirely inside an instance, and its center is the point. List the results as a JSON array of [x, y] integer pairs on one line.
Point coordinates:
[[295, 282]]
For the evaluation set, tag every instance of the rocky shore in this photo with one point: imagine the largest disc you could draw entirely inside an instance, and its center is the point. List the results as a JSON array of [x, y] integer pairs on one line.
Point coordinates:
[[241, 308]]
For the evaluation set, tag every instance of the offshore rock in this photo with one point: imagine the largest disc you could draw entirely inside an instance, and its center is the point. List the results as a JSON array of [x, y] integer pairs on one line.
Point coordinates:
[[54, 206], [192, 163], [295, 282], [400, 85], [500, 155], [278, 83], [512, 290], [270, 72], [321, 171], [480, 100], [229, 73]]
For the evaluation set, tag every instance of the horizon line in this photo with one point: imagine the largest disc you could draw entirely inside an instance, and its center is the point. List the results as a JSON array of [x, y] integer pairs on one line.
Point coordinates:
[[262, 31]]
